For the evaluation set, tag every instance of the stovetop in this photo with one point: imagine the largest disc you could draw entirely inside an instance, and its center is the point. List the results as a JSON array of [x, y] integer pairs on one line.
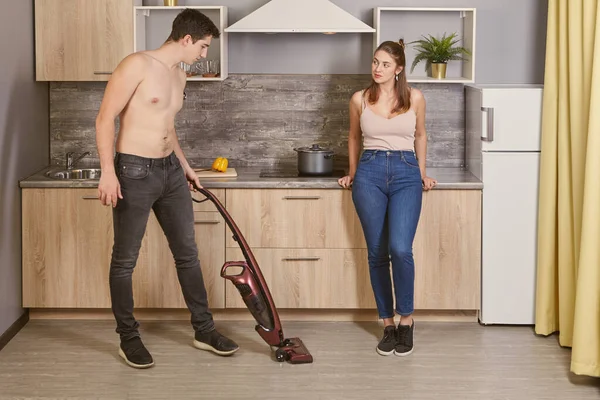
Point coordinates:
[[293, 173]]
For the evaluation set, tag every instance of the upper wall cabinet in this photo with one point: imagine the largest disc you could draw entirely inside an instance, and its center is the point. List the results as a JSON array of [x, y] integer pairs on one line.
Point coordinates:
[[410, 24], [152, 27], [82, 40]]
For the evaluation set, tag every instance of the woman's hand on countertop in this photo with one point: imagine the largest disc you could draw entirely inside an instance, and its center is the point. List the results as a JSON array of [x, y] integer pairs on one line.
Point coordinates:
[[346, 181]]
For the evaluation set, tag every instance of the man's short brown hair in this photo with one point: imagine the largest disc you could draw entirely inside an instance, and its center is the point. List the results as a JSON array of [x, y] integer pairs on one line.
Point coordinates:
[[192, 22]]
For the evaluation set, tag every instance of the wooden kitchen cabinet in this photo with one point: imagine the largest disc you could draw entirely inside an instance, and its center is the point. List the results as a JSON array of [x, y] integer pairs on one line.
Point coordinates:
[[308, 242], [447, 251], [320, 226], [67, 245], [82, 40]]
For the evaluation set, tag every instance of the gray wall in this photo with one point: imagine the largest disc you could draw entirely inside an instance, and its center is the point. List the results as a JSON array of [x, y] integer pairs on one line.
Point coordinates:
[[510, 43], [24, 143]]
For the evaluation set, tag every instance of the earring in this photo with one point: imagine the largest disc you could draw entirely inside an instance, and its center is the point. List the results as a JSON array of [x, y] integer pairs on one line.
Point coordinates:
[[397, 77]]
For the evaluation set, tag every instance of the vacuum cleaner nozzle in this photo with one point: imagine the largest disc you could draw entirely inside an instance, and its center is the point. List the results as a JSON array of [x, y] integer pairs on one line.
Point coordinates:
[[293, 351]]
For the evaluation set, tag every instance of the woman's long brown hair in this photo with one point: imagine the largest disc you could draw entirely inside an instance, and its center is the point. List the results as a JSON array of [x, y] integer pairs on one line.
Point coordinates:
[[396, 51]]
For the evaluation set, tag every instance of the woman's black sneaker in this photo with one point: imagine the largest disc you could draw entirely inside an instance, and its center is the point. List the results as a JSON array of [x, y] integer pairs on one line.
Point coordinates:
[[215, 342], [404, 346], [388, 342], [135, 353]]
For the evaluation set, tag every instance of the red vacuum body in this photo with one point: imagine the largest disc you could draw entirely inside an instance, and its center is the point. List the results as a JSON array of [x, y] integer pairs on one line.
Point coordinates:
[[251, 285]]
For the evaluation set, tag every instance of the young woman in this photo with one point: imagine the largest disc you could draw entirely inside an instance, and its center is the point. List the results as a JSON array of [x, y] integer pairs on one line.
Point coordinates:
[[387, 185]]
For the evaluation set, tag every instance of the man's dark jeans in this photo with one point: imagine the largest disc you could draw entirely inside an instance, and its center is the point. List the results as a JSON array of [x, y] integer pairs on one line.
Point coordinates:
[[157, 184]]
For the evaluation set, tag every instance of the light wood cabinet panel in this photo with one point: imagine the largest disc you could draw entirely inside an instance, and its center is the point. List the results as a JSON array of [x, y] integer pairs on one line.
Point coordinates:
[[295, 218], [447, 251], [67, 247], [310, 278], [82, 40]]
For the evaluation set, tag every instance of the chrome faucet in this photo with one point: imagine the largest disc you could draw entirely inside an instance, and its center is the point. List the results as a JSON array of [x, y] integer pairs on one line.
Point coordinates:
[[71, 162]]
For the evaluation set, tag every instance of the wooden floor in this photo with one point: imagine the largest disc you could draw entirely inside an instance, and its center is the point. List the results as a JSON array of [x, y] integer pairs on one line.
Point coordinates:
[[52, 359]]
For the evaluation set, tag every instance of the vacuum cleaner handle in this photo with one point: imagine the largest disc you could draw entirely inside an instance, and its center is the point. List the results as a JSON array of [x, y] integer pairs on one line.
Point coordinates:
[[252, 287], [270, 335], [204, 191]]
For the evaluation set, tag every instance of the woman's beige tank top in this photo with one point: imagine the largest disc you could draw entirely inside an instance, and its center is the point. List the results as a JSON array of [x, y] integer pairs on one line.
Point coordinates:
[[381, 133]]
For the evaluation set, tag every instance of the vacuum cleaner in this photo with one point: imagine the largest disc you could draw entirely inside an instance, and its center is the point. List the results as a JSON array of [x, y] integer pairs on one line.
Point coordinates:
[[251, 285]]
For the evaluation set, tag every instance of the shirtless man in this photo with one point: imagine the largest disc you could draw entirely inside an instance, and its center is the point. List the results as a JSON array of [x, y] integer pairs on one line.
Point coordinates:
[[150, 172]]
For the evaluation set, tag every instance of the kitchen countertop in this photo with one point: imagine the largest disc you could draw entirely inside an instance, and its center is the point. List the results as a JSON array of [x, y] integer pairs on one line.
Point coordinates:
[[249, 177]]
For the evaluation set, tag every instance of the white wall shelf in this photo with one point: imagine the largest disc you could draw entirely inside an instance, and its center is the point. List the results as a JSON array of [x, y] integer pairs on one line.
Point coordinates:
[[411, 23], [152, 26]]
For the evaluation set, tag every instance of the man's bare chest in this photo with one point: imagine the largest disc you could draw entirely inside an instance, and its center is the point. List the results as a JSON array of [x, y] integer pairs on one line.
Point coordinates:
[[161, 94]]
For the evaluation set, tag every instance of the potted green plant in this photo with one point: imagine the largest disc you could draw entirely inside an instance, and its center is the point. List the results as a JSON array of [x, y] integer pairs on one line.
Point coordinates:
[[436, 52]]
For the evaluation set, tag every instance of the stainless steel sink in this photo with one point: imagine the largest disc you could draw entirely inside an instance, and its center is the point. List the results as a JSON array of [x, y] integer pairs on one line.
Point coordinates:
[[75, 174]]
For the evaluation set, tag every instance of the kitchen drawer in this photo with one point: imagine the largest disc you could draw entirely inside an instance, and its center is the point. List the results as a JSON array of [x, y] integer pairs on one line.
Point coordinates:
[[295, 218], [310, 278]]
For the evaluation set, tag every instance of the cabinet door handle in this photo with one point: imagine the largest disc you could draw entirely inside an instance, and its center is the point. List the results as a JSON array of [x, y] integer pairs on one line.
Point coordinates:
[[301, 258], [301, 197], [89, 197], [207, 222], [102, 73]]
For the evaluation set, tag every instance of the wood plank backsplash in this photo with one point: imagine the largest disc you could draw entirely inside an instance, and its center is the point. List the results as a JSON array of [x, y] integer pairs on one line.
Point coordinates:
[[257, 120]]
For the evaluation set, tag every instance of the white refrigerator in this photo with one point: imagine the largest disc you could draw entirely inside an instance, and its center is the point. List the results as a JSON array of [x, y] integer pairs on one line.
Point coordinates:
[[503, 140]]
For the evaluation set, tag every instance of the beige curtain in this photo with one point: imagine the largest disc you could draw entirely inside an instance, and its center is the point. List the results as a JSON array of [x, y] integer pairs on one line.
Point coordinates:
[[568, 274]]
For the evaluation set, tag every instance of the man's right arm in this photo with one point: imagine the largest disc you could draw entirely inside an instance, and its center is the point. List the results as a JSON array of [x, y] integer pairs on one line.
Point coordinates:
[[119, 89]]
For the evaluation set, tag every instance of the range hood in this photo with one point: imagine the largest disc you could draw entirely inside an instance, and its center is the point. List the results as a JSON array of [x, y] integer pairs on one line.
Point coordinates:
[[321, 16]]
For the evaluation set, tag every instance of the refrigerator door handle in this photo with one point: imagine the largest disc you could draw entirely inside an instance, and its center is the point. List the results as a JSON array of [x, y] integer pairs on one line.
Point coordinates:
[[489, 136]]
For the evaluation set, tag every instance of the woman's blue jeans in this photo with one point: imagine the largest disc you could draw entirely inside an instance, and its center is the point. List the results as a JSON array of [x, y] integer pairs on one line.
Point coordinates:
[[387, 193]]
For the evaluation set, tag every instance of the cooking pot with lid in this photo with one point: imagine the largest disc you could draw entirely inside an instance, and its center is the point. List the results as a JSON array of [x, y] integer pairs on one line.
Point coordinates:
[[315, 160]]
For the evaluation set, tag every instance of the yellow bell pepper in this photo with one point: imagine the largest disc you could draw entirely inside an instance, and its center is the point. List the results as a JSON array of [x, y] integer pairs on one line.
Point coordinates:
[[220, 164]]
